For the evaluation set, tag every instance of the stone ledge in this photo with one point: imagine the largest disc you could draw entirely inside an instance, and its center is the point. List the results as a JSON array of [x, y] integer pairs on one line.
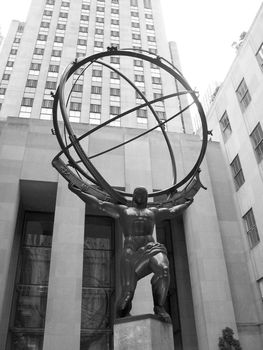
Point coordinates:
[[145, 332]]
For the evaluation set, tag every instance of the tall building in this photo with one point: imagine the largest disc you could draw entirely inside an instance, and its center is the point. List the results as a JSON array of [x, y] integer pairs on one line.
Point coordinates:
[[236, 119], [59, 258], [57, 32]]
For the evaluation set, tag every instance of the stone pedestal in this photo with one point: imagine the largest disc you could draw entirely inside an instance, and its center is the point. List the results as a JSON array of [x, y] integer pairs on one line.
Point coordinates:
[[145, 332]]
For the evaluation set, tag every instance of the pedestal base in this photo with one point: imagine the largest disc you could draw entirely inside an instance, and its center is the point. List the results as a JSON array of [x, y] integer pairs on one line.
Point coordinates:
[[144, 332]]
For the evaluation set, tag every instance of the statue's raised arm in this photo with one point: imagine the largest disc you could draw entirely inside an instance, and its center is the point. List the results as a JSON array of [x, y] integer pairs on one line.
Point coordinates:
[[114, 210], [172, 211]]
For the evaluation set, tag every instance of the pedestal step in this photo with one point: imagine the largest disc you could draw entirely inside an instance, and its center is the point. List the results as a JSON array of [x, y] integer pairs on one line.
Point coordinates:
[[144, 332]]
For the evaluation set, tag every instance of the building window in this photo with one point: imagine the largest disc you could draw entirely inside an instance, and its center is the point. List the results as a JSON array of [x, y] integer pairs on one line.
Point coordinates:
[[237, 172], [38, 51], [85, 7], [225, 126], [134, 3], [2, 91], [59, 39], [10, 64], [35, 66], [97, 73], [96, 90], [139, 78], [28, 102], [99, 31], [147, 4], [243, 95], [115, 33], [259, 56], [42, 37], [115, 60], [51, 85], [56, 53], [156, 80], [251, 228], [115, 11], [157, 95], [30, 294], [114, 75], [84, 18], [148, 16], [63, 15], [32, 83], [98, 43], [61, 26], [47, 13], [83, 29], [115, 92], [161, 115], [6, 77], [99, 19], [75, 106], [17, 40], [44, 24], [257, 141], [21, 27], [136, 36], [53, 68], [95, 108], [82, 42], [134, 14], [152, 50], [78, 88], [115, 110], [150, 26], [47, 104], [114, 21], [13, 52], [151, 38]]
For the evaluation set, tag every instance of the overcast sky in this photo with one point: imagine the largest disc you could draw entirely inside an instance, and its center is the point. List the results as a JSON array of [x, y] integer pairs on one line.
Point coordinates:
[[203, 29]]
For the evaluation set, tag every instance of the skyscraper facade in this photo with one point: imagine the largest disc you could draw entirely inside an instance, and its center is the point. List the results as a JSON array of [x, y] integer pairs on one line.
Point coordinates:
[[59, 258], [55, 33]]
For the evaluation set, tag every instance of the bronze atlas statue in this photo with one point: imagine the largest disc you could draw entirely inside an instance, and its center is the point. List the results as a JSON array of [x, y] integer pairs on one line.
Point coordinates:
[[141, 255]]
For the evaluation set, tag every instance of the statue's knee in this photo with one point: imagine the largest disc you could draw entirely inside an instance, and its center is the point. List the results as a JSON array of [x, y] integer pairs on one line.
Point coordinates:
[[164, 271]]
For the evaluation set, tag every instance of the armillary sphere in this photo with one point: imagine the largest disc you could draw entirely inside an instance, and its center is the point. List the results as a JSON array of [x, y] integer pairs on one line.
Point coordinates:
[[81, 171]]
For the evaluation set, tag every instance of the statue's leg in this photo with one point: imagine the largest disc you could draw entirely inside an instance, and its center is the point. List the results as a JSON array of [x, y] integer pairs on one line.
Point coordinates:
[[160, 284], [128, 284]]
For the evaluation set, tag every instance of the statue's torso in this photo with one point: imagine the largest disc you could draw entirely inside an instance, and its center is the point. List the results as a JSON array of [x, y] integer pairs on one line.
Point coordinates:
[[137, 226]]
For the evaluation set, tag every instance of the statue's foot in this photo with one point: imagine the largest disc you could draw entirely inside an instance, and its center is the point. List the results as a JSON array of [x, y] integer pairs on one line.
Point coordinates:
[[162, 314], [124, 305]]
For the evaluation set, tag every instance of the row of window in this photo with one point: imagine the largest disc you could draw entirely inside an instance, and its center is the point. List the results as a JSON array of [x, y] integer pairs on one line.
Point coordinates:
[[10, 61]]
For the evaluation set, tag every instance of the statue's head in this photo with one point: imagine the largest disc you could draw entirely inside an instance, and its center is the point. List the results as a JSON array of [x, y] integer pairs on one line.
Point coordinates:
[[140, 197]]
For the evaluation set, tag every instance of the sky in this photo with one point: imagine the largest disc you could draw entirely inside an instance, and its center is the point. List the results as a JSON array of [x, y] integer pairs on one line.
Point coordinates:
[[204, 31]]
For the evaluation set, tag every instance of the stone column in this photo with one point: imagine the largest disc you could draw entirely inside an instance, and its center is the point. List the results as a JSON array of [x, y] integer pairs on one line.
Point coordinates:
[[213, 306], [12, 147], [63, 314]]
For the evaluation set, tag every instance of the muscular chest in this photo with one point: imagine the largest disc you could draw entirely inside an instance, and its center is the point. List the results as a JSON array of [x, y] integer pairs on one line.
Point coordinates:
[[141, 222]]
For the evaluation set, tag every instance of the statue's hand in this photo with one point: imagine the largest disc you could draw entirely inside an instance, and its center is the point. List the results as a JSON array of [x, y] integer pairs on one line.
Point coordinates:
[[179, 208], [74, 188], [189, 201]]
